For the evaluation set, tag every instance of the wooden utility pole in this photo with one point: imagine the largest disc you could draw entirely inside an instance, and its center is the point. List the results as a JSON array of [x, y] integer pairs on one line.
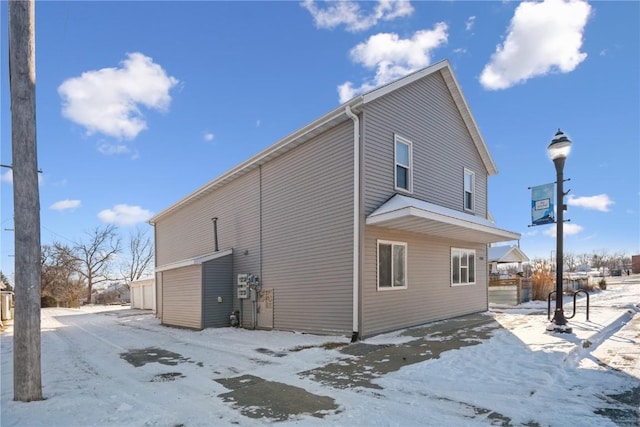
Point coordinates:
[[27, 379]]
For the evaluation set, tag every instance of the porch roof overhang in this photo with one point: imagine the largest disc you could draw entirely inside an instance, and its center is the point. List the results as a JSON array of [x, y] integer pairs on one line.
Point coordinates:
[[417, 216]]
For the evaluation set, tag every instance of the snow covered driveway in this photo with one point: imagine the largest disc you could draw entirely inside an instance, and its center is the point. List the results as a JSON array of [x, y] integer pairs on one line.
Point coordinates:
[[112, 366]]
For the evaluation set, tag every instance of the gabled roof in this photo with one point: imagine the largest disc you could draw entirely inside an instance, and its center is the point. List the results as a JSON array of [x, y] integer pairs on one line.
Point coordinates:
[[417, 216], [506, 254], [336, 116]]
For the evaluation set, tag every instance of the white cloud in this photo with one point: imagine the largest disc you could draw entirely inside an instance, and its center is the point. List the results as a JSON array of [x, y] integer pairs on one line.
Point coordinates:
[[600, 202], [569, 229], [393, 57], [468, 25], [108, 100], [542, 38], [65, 205], [208, 136], [124, 215], [111, 149], [7, 176], [349, 14]]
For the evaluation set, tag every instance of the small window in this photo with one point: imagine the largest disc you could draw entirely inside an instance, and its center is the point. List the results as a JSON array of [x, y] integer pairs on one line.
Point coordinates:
[[403, 159], [463, 267], [469, 190], [392, 265]]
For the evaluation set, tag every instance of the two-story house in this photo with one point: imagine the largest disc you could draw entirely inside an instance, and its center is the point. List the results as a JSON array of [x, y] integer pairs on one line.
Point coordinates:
[[371, 218]]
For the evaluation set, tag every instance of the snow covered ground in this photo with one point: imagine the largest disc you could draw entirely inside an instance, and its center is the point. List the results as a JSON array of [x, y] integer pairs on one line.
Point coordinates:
[[103, 366]]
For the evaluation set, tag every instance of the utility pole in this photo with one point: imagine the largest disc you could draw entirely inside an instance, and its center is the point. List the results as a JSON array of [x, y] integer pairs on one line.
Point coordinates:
[[27, 378]]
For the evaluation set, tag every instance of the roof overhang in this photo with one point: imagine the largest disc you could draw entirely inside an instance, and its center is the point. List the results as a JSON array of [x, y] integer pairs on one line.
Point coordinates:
[[417, 216], [506, 254], [193, 261]]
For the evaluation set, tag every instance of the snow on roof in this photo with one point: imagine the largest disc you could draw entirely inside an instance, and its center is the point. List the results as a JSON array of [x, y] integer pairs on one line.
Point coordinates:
[[507, 254]]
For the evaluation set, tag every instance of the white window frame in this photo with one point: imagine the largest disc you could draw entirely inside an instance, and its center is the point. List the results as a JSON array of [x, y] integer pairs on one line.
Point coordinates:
[[464, 253], [392, 273], [472, 174], [398, 139]]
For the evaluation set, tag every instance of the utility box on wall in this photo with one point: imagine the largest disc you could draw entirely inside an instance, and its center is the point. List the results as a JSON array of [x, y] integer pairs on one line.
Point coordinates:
[[243, 288]]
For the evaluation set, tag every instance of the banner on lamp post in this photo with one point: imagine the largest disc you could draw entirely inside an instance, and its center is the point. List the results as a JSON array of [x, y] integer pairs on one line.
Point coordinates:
[[542, 211]]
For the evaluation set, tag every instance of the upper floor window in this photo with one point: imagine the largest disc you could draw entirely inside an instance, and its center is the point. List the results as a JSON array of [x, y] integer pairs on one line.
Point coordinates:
[[469, 190], [463, 266], [403, 160], [392, 265]]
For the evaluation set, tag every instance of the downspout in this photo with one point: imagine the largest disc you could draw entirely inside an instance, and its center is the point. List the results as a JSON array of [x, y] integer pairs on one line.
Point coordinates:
[[356, 223]]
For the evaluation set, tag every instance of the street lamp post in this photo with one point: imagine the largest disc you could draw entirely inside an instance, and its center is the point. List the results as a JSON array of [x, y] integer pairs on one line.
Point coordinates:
[[558, 151]]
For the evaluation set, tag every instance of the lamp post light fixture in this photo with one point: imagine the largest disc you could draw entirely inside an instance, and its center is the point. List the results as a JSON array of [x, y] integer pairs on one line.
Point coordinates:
[[558, 151]]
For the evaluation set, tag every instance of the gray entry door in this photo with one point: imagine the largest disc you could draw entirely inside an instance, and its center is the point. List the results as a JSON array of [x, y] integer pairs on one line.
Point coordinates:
[[217, 292]]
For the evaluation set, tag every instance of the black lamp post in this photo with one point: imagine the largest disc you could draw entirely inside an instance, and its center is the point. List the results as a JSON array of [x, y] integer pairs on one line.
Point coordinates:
[[558, 151]]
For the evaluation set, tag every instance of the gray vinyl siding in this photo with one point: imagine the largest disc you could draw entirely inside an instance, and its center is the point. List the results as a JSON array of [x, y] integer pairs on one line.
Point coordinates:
[[424, 113], [217, 292], [182, 297], [308, 233], [429, 295]]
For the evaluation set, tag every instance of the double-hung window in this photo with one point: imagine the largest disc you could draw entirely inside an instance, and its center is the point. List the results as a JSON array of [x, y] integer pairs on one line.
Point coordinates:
[[392, 265], [469, 190], [403, 160], [463, 266]]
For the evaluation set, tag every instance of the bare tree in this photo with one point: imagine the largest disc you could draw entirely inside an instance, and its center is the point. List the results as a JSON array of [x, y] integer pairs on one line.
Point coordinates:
[[585, 260], [5, 280], [599, 260], [96, 255], [27, 378], [60, 279], [571, 261], [141, 256]]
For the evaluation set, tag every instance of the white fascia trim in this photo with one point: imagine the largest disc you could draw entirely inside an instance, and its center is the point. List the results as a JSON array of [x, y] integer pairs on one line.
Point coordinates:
[[194, 261], [384, 90]]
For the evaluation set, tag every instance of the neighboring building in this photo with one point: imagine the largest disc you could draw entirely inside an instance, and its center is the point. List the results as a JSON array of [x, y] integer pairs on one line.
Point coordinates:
[[372, 218], [506, 255], [142, 293], [507, 288], [635, 264], [114, 293]]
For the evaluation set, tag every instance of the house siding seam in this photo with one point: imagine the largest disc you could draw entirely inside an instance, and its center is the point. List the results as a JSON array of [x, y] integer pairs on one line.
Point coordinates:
[[307, 205]]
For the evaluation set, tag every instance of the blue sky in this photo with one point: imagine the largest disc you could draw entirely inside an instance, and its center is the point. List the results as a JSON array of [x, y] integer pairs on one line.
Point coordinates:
[[140, 103]]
